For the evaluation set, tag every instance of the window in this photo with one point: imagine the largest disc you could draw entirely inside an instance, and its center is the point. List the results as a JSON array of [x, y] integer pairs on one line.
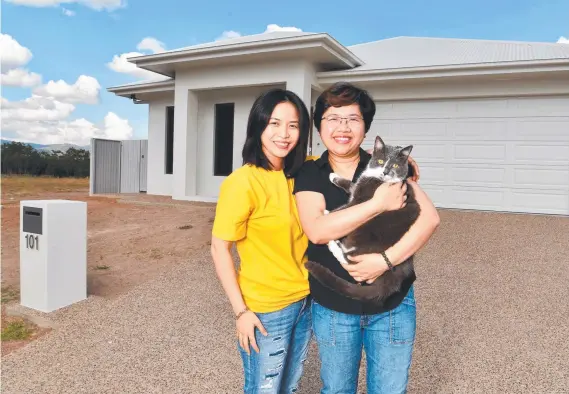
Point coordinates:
[[169, 140], [223, 139]]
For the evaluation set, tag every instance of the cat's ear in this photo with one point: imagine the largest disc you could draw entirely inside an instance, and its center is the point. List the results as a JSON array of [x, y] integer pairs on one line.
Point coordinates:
[[379, 145], [405, 152]]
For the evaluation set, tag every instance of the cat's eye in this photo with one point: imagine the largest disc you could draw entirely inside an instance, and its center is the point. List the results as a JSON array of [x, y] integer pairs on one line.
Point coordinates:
[[396, 166], [380, 161]]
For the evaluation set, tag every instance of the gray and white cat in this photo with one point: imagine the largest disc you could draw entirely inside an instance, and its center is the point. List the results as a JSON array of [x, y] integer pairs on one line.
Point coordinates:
[[387, 164]]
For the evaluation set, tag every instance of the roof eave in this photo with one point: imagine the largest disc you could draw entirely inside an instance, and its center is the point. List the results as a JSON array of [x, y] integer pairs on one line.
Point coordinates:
[[143, 87], [343, 54], [331, 77]]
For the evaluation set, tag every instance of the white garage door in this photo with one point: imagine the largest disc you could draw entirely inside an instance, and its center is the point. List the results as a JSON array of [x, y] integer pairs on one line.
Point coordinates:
[[503, 154]]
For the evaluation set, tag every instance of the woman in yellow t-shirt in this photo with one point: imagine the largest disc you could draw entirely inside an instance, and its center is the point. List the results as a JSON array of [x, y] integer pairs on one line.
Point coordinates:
[[256, 210]]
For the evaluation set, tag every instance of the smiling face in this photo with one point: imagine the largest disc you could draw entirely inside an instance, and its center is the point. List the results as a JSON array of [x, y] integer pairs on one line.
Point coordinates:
[[281, 134], [342, 130]]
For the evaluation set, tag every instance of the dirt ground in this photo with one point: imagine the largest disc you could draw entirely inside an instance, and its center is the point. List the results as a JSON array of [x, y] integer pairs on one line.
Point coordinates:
[[131, 238]]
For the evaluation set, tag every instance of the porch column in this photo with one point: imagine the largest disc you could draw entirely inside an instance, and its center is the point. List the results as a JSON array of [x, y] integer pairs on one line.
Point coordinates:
[[302, 83], [185, 143]]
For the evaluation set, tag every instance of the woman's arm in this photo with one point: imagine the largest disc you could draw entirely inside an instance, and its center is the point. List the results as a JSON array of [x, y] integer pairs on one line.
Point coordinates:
[[225, 270], [420, 232], [321, 228], [371, 266]]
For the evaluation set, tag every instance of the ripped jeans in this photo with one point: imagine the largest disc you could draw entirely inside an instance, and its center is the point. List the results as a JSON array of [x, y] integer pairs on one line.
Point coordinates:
[[278, 366]]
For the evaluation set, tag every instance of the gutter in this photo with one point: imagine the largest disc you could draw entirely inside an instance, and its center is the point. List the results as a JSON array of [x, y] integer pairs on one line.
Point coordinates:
[[144, 87], [445, 71]]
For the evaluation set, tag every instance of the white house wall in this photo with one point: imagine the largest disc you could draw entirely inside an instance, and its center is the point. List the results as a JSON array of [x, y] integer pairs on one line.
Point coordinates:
[[191, 85], [207, 185], [158, 182]]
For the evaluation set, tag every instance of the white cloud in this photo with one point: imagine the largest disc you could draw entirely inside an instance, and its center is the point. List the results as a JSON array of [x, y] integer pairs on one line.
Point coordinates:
[[117, 128], [563, 40], [270, 29], [228, 34], [97, 5], [121, 64], [67, 12], [20, 77], [44, 121], [35, 108], [13, 54], [84, 90], [151, 44], [13, 57]]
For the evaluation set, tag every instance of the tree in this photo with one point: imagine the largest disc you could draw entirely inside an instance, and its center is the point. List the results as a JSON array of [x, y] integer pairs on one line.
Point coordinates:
[[20, 158]]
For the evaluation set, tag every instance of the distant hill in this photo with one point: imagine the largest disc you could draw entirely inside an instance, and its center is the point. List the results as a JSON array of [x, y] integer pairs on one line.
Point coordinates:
[[51, 147], [33, 145], [62, 147]]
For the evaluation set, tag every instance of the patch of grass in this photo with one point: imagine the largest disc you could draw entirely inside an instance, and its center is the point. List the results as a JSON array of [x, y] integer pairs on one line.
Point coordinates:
[[186, 227], [15, 185], [101, 267], [155, 254], [16, 331], [9, 294]]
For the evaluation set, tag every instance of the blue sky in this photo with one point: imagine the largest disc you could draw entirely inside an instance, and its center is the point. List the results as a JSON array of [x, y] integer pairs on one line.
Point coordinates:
[[73, 38]]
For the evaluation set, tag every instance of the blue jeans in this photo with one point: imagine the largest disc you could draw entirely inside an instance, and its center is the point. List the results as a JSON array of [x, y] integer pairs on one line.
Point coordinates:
[[278, 366], [387, 339]]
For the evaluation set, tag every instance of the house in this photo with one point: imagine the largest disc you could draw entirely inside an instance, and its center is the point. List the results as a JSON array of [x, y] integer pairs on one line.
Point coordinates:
[[489, 120]]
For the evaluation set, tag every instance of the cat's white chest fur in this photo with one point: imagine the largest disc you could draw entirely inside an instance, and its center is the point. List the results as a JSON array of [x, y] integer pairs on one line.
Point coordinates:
[[336, 247]]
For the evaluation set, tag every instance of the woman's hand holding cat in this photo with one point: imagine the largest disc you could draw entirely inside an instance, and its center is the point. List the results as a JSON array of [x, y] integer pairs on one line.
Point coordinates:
[[413, 163], [390, 196], [246, 324], [368, 267]]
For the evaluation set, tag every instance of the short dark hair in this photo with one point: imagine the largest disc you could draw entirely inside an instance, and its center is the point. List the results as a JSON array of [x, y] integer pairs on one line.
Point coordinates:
[[341, 94], [259, 119]]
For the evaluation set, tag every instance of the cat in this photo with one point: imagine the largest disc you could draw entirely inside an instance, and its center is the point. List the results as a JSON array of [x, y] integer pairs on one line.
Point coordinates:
[[387, 164]]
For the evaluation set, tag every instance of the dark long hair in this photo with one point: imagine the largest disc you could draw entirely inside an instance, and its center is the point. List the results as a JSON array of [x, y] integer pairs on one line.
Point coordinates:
[[259, 119]]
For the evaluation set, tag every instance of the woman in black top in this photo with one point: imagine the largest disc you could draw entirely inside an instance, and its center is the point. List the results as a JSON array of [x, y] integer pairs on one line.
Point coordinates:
[[343, 326]]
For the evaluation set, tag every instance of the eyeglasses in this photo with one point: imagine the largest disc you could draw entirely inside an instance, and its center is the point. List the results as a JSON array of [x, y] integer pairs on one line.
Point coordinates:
[[335, 120]]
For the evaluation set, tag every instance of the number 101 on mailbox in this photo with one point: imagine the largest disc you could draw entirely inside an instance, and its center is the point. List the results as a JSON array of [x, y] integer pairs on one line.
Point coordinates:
[[32, 241]]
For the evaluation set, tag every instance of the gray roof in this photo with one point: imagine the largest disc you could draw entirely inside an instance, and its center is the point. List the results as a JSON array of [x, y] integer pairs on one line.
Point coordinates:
[[409, 52], [245, 39]]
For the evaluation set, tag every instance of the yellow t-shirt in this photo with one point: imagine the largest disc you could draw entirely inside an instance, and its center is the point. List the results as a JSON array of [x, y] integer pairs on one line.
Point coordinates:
[[256, 209]]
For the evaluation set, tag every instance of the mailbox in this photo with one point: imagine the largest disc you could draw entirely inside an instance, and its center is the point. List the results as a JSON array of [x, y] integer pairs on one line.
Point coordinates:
[[53, 253]]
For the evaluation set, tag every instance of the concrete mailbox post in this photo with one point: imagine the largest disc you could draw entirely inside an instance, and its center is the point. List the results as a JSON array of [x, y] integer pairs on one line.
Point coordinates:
[[53, 253]]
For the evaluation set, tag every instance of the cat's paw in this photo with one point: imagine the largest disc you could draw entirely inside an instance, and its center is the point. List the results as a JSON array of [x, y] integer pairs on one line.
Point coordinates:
[[336, 248], [333, 176]]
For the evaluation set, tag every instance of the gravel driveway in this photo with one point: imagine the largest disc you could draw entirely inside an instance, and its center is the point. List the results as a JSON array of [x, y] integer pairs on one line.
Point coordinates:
[[492, 318]]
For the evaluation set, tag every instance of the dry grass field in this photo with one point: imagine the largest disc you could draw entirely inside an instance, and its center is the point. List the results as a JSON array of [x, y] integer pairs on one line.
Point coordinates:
[[16, 186]]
